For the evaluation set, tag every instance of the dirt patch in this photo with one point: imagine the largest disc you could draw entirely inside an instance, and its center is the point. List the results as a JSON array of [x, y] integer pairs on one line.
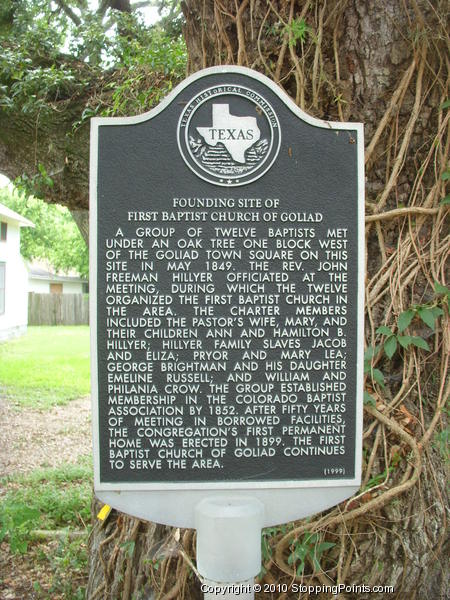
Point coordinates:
[[31, 439], [20, 574], [41, 574]]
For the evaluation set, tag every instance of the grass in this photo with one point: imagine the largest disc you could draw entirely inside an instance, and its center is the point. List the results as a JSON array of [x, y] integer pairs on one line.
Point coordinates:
[[60, 495], [46, 367], [56, 499]]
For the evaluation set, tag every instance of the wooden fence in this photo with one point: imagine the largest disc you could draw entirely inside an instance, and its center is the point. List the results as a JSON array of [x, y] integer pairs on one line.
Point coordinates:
[[58, 309]]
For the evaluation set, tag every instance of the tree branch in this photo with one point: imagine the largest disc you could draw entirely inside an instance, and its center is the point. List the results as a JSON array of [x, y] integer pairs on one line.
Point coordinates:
[[401, 212], [139, 5], [102, 7], [69, 12], [121, 5]]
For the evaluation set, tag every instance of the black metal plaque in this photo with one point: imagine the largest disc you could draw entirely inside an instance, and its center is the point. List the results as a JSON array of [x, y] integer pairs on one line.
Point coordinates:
[[227, 286]]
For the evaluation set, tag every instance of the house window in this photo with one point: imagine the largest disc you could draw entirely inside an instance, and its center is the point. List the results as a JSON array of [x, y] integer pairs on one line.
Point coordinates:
[[2, 287], [56, 288], [3, 230]]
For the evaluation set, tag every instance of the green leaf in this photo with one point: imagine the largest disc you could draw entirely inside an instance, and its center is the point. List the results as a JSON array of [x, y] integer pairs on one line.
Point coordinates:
[[17, 545], [128, 548], [445, 200], [427, 316], [441, 289], [445, 104], [298, 29], [378, 377], [404, 340], [420, 343], [445, 175], [405, 319], [21, 513], [384, 330], [369, 353], [368, 399], [390, 346], [324, 546]]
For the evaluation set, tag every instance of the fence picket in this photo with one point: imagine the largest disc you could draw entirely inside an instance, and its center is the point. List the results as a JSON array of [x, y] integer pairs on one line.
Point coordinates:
[[58, 309]]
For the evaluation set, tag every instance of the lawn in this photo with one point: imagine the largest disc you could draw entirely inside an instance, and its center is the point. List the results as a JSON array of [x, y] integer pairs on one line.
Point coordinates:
[[38, 513], [44, 515], [46, 367]]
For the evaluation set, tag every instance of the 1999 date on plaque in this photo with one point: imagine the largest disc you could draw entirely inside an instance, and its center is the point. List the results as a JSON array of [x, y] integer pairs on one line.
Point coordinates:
[[330, 471]]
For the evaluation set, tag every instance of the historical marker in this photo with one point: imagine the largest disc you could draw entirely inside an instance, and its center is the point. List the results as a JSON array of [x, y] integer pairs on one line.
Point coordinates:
[[227, 301]]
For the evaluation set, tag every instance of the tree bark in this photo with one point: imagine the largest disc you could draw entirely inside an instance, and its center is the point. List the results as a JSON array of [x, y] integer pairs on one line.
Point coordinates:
[[81, 218], [382, 63]]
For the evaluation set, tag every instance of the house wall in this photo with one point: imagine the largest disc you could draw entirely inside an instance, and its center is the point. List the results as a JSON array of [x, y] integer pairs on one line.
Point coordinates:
[[39, 286], [72, 287], [14, 320]]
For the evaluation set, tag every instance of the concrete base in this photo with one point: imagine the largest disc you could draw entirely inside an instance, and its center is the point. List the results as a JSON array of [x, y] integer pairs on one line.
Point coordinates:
[[229, 545]]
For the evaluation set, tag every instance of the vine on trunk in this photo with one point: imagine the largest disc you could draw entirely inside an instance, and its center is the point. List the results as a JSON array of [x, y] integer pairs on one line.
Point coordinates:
[[323, 54]]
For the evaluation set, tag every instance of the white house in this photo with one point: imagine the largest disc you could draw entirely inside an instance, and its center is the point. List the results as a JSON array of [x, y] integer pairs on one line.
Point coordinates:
[[13, 275], [42, 280]]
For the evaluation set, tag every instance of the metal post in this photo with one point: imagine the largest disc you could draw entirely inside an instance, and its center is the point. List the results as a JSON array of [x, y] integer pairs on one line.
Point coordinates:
[[229, 546]]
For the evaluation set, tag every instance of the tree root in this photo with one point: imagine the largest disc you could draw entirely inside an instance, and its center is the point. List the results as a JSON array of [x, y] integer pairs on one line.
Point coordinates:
[[406, 254]]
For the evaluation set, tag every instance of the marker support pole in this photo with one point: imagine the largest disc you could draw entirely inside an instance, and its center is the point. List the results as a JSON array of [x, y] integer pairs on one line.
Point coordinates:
[[229, 545]]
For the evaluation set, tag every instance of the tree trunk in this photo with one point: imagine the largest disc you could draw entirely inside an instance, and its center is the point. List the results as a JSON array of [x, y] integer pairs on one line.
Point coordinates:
[[383, 63], [81, 218]]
